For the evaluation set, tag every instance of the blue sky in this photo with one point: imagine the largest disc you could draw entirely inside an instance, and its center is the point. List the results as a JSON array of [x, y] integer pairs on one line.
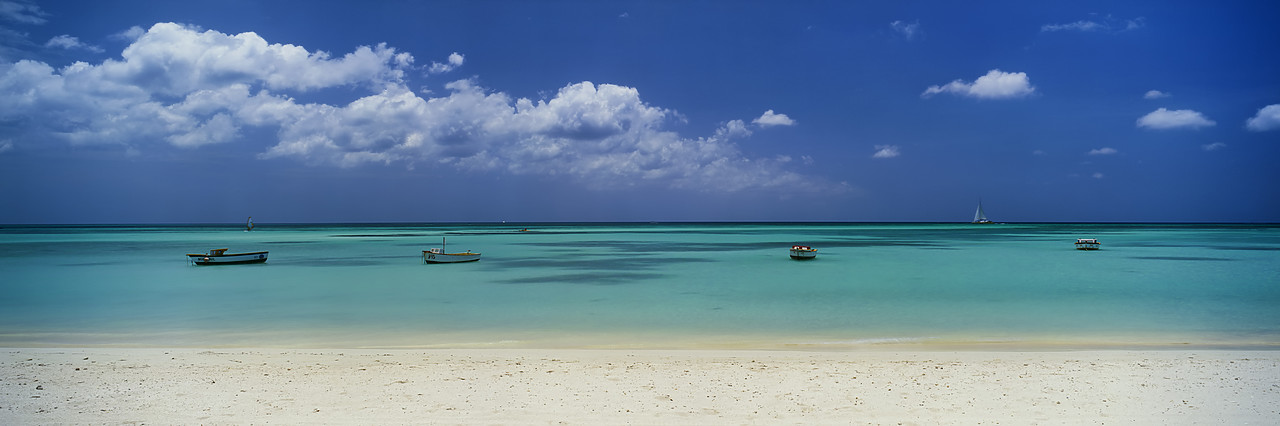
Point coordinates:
[[337, 111]]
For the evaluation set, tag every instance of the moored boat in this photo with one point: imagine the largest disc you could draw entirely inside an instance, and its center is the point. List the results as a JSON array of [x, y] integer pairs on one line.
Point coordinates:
[[1088, 244], [221, 257], [803, 252], [438, 255]]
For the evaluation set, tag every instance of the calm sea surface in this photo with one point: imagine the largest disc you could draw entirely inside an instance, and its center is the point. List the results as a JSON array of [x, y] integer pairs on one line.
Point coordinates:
[[644, 285]]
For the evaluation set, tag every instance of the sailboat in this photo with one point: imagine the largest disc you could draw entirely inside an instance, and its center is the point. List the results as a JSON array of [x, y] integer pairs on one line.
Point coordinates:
[[248, 224], [980, 216], [437, 255]]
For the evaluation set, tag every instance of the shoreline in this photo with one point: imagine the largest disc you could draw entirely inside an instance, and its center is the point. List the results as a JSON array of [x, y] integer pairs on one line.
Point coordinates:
[[593, 386]]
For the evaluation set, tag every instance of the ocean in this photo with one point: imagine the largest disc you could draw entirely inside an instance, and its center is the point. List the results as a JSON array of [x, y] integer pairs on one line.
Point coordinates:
[[645, 285]]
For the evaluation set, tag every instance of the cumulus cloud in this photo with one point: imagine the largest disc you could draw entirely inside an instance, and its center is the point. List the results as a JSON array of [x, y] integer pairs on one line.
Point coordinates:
[[770, 119], [1106, 24], [886, 151], [908, 30], [995, 84], [1103, 151], [189, 88], [1162, 119], [733, 129], [455, 61], [1267, 118], [1155, 94], [71, 43]]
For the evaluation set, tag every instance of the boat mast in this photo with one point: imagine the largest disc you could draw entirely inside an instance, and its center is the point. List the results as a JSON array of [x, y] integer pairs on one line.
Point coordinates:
[[979, 215]]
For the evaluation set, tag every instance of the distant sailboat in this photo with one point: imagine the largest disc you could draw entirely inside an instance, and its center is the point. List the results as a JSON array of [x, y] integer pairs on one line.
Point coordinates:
[[248, 224], [980, 216]]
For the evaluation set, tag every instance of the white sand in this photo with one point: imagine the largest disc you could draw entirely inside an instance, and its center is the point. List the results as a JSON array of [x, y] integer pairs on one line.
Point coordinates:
[[505, 386]]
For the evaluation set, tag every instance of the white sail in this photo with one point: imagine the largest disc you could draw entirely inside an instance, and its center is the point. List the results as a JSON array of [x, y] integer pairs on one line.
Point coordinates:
[[979, 216]]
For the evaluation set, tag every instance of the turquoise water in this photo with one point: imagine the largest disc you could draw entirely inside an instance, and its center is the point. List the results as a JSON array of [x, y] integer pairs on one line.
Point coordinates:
[[644, 285]]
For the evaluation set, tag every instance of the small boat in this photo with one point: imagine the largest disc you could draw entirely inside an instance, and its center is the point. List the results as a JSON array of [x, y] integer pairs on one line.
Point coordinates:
[[980, 216], [437, 255], [803, 252], [221, 257], [1088, 244]]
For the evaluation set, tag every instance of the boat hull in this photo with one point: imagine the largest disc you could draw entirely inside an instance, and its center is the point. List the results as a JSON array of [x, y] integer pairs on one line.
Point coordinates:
[[228, 259], [430, 257], [804, 254], [1088, 244]]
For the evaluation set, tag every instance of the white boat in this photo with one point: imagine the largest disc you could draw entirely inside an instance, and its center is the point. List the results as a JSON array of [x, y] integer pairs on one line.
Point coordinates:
[[1088, 244], [980, 216], [221, 257], [803, 252], [437, 255]]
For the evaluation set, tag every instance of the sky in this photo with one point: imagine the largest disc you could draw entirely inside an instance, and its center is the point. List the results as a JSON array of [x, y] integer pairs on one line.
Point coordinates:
[[486, 111]]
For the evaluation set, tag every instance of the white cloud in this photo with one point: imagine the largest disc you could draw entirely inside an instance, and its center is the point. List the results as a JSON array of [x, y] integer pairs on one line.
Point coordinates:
[[910, 31], [6, 145], [22, 12], [1103, 151], [1107, 24], [886, 151], [1085, 26], [1213, 146], [733, 129], [71, 43], [1165, 119], [188, 88], [131, 34], [995, 84], [455, 61], [770, 119], [1267, 118], [1098, 175], [1155, 94], [172, 59]]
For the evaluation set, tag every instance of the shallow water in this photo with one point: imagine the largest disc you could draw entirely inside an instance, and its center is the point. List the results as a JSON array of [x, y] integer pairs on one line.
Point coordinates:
[[644, 285]]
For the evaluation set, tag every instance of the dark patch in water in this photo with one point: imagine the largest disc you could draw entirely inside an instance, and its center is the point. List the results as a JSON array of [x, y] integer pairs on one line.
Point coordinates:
[[289, 242], [604, 263], [666, 247], [614, 278], [383, 235], [1180, 258], [331, 262]]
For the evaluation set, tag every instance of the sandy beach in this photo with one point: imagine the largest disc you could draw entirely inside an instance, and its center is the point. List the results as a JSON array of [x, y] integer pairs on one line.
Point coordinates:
[[579, 386]]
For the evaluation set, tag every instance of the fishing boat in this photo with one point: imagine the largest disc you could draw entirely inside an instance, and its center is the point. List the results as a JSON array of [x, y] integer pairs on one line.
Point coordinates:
[[803, 252], [221, 257], [980, 216], [1088, 244], [438, 255]]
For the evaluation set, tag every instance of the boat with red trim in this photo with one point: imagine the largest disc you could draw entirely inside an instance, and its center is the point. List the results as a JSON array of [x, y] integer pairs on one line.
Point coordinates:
[[803, 252], [438, 255], [221, 257]]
